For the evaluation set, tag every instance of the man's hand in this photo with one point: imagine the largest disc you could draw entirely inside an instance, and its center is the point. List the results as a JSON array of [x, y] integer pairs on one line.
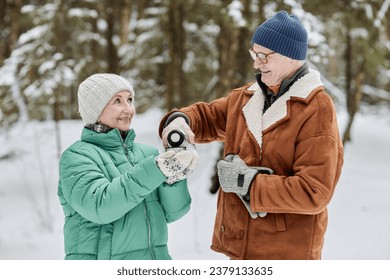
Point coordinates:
[[234, 175], [247, 205], [178, 123]]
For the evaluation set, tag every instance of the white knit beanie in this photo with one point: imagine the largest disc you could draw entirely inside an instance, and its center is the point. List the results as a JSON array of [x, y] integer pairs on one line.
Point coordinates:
[[96, 91]]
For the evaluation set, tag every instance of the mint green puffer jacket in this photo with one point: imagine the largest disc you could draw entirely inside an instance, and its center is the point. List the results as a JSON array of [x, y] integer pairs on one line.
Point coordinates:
[[114, 198]]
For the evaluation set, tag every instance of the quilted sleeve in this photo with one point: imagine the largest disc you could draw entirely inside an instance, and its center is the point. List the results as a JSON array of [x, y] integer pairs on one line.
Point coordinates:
[[175, 200], [88, 191]]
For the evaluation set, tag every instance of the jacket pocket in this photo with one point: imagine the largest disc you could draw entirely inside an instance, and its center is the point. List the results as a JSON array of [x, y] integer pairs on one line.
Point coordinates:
[[280, 221], [232, 225]]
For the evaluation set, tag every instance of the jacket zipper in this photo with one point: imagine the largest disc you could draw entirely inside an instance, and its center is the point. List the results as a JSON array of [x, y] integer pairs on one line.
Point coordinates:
[[149, 237], [123, 145], [145, 212]]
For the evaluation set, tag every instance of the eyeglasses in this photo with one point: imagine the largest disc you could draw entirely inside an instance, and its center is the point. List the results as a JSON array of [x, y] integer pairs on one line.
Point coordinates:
[[261, 56]]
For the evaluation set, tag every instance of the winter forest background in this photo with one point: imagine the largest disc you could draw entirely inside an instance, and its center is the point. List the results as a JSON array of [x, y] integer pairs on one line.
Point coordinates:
[[176, 53]]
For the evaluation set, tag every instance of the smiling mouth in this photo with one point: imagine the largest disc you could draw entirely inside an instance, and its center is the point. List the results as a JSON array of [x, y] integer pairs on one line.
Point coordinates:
[[264, 72]]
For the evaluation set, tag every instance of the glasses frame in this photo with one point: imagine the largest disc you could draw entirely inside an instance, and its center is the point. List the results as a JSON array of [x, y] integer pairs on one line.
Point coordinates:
[[263, 57]]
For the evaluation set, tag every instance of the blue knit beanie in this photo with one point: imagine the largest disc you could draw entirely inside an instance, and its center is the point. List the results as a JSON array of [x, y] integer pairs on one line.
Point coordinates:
[[283, 34]]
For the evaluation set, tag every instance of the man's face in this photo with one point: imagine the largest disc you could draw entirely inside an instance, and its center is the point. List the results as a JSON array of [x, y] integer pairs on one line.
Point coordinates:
[[275, 68]]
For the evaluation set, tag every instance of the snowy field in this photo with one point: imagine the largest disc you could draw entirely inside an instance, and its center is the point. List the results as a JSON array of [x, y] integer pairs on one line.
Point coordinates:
[[31, 217]]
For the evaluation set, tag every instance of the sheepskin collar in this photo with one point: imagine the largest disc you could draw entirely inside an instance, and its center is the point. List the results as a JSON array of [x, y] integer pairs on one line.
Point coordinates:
[[257, 122]]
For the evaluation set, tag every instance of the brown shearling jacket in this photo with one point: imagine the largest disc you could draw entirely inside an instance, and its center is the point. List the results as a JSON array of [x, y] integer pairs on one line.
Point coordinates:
[[298, 138]]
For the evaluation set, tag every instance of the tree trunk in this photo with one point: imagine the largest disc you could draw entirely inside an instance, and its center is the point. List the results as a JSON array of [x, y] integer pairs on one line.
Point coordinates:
[[125, 14], [175, 92], [3, 30], [112, 55], [226, 56], [15, 23], [243, 67], [355, 99], [170, 68], [181, 55], [354, 95], [9, 27], [234, 63]]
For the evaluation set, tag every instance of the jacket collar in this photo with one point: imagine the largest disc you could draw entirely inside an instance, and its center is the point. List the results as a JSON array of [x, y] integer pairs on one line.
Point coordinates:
[[257, 122], [111, 140], [270, 97]]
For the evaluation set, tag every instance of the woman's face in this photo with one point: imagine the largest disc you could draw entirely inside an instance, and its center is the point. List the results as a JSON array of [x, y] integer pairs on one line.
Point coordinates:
[[277, 68], [119, 111]]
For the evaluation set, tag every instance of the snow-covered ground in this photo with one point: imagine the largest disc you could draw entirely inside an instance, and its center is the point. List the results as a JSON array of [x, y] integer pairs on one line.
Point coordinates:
[[31, 217]]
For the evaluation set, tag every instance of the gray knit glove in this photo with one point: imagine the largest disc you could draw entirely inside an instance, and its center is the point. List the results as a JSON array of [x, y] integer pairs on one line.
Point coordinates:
[[234, 175], [247, 205]]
